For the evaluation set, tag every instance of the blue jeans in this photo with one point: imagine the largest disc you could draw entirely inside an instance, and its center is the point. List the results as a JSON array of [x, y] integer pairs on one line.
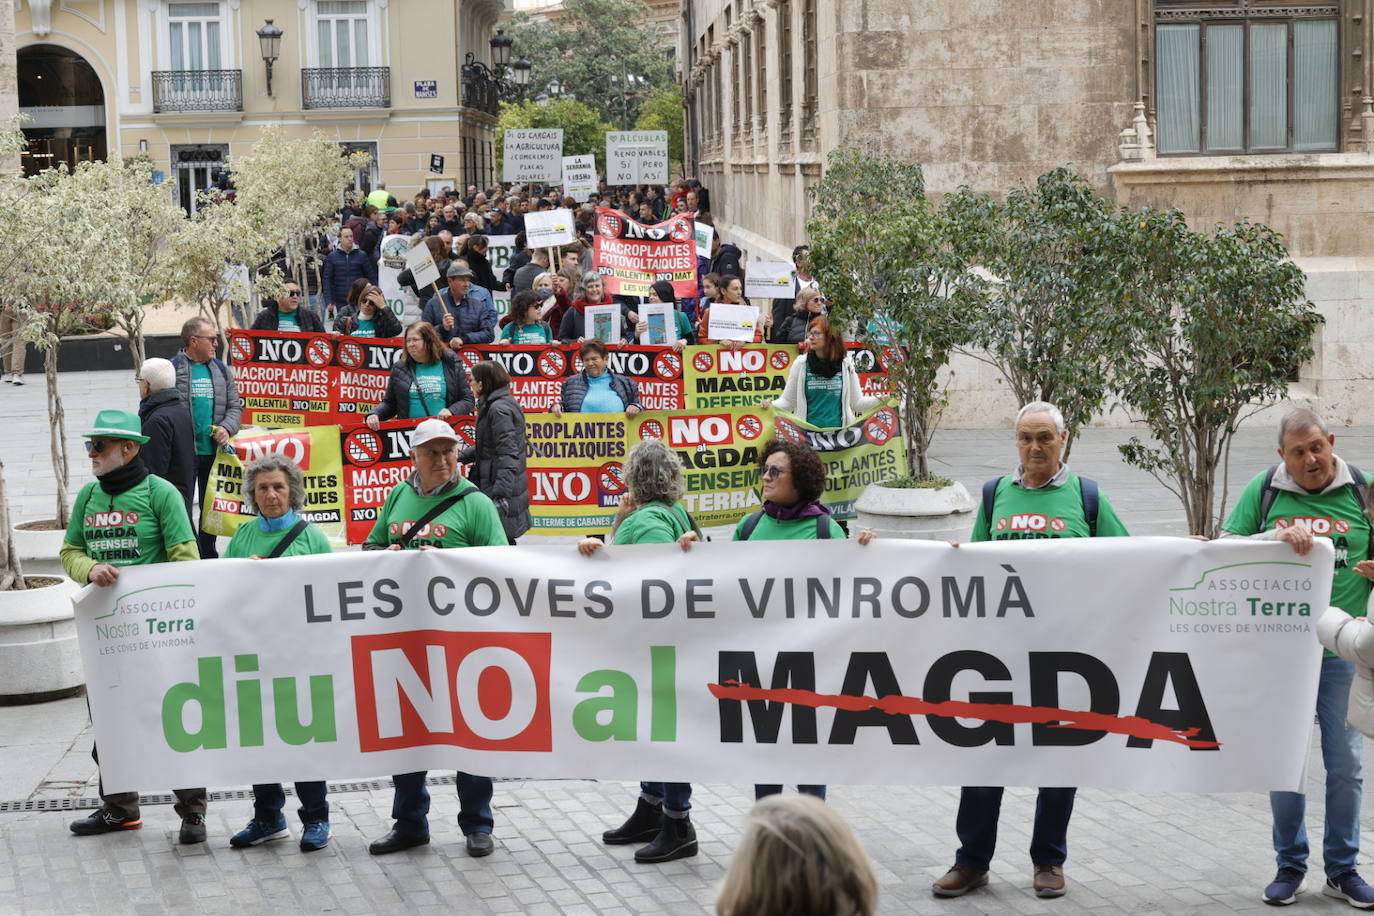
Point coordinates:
[[269, 799], [763, 791], [410, 804], [674, 796], [1341, 748], [976, 824]]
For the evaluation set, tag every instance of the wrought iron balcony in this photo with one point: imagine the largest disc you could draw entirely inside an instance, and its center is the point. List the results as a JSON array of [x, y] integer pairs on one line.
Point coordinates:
[[480, 91], [346, 87], [197, 90]]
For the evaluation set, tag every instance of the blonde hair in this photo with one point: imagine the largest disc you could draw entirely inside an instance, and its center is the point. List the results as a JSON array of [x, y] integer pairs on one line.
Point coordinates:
[[798, 858]]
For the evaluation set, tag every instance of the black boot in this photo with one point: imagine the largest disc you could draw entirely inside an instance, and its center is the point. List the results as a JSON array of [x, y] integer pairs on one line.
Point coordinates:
[[642, 825], [676, 840]]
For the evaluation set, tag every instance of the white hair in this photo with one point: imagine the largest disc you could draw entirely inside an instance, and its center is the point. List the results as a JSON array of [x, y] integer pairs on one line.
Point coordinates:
[[1300, 421], [1043, 407], [158, 373]]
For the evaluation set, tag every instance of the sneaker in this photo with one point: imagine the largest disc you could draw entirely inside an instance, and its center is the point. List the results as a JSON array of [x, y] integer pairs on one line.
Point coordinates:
[[258, 832], [1048, 881], [1351, 888], [958, 881], [192, 829], [1285, 887], [18, 379], [315, 836], [102, 821]]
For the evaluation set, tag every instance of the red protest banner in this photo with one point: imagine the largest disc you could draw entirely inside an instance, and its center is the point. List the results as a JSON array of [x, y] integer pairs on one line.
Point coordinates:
[[631, 255]]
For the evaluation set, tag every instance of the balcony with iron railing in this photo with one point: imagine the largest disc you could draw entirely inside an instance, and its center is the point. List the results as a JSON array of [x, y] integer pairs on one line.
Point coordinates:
[[346, 87], [197, 90], [480, 91]]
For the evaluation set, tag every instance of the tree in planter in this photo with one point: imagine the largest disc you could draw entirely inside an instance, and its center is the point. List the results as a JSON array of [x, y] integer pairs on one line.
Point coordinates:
[[1047, 324], [880, 250], [1215, 326]]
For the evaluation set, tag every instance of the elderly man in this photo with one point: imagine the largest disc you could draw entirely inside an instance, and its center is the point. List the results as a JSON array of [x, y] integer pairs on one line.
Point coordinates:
[[342, 266], [126, 517], [170, 451], [207, 385], [1073, 507], [286, 314], [436, 507], [1310, 493], [464, 313]]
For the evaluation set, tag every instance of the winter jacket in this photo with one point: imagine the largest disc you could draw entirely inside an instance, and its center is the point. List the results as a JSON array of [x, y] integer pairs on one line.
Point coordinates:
[[1352, 638], [482, 274], [384, 320], [267, 320], [498, 459], [396, 403], [341, 269], [853, 401], [170, 451], [727, 262], [227, 410], [474, 319], [575, 390]]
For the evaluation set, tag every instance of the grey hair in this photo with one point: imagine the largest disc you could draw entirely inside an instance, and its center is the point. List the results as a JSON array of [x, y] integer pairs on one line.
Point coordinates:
[[295, 480], [158, 373], [1043, 407], [587, 277], [1300, 420], [653, 472]]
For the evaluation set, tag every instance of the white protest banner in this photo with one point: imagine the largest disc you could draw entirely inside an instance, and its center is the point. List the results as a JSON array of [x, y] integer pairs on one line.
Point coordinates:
[[532, 155], [661, 324], [579, 177], [636, 157], [400, 299], [1002, 663], [704, 234], [768, 279], [546, 228], [603, 323], [732, 322], [422, 266]]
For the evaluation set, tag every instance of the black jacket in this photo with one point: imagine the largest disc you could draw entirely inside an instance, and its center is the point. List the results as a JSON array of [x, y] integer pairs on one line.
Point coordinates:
[[308, 321], [482, 273], [384, 320], [170, 451], [727, 262], [396, 403], [498, 460]]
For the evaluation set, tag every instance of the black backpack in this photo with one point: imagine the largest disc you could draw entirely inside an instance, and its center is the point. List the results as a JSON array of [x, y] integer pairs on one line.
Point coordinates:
[[1087, 487], [752, 522]]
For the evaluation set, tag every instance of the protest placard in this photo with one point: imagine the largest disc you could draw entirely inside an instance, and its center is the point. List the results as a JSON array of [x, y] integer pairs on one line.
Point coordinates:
[[532, 155], [703, 235], [603, 323], [631, 256], [661, 324], [314, 449], [547, 228], [400, 299], [768, 279], [579, 177], [422, 266], [732, 322], [636, 157]]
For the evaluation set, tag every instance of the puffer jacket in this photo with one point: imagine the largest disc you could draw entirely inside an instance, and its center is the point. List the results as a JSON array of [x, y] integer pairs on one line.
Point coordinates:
[[575, 390], [1352, 638], [498, 459]]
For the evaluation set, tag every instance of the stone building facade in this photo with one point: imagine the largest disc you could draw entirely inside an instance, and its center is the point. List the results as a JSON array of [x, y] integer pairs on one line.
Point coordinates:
[[1225, 109]]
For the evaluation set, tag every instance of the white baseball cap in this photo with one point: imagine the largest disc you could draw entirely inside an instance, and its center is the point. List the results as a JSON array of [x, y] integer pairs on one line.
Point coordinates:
[[432, 429]]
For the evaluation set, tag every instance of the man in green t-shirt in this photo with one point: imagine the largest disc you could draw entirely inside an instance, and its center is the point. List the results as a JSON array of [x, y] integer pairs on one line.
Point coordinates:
[[1311, 493], [435, 507], [1043, 499], [127, 517]]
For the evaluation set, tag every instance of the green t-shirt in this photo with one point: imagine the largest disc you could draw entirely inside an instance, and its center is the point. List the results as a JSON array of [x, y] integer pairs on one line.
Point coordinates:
[[796, 529], [367, 327], [286, 321], [1047, 512], [134, 527], [251, 541], [823, 399], [654, 523], [203, 407], [429, 394], [471, 522], [537, 333], [1337, 515]]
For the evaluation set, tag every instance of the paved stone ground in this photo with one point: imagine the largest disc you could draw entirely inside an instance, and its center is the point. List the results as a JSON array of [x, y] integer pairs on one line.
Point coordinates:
[[1130, 852]]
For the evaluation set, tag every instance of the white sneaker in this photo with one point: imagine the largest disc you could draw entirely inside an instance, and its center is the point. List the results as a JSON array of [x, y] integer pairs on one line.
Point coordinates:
[[18, 379]]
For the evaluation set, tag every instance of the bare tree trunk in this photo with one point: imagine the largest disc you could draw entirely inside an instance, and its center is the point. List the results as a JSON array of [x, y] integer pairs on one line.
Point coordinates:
[[138, 348], [11, 572], [57, 422]]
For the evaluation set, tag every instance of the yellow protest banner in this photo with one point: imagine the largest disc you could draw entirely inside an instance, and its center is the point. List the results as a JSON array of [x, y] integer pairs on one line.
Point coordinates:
[[315, 449]]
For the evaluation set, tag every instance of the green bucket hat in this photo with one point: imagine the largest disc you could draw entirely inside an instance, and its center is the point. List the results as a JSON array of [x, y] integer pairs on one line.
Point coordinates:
[[117, 424]]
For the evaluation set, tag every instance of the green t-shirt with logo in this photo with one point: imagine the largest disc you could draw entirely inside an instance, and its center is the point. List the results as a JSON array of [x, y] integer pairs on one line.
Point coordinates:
[[203, 407], [367, 327], [537, 333], [286, 321], [1047, 512], [794, 529], [251, 541], [140, 525], [653, 523], [823, 399], [471, 522], [429, 391], [1337, 515]]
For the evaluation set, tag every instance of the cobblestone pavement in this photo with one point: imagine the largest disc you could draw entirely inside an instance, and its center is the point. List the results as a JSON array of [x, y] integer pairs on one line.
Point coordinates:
[[1129, 852]]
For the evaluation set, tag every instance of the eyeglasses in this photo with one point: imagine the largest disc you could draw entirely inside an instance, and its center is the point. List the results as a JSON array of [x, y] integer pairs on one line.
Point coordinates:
[[293, 293], [770, 471], [98, 445]]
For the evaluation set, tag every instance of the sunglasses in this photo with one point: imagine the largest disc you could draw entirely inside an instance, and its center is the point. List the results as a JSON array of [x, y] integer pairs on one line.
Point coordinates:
[[293, 293], [98, 445], [770, 471]]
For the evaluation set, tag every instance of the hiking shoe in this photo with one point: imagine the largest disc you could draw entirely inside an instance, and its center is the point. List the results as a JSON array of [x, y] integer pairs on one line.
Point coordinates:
[[102, 821], [1285, 887], [1048, 880], [258, 832], [315, 836], [1351, 888], [676, 839], [958, 881], [192, 829], [641, 827]]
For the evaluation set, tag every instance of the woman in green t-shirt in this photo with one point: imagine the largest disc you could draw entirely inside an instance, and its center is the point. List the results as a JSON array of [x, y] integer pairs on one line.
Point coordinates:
[[525, 326], [274, 489], [651, 513], [427, 380], [823, 387]]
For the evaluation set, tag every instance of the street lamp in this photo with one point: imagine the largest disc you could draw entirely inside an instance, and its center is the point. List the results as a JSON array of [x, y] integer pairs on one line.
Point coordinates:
[[500, 49], [521, 69], [269, 37], [484, 86]]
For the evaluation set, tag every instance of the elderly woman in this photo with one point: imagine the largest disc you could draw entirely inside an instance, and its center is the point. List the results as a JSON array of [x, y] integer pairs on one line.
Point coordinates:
[[273, 490], [427, 381], [366, 314], [596, 389], [498, 457], [823, 388], [652, 514], [593, 292]]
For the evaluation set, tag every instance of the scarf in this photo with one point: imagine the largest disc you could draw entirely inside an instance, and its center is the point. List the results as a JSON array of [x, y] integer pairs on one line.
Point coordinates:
[[280, 523], [799, 509], [124, 478], [819, 365]]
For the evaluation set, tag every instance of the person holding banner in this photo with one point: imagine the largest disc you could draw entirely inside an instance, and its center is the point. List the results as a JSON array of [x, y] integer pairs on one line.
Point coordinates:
[[731, 292], [1042, 487], [463, 314], [126, 517], [498, 456], [366, 314], [823, 388], [593, 292], [274, 491], [428, 381], [596, 389], [286, 314], [436, 508], [525, 326], [661, 292]]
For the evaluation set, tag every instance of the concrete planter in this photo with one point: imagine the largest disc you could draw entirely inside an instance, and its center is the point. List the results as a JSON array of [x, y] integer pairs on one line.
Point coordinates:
[[39, 550], [917, 513], [39, 656]]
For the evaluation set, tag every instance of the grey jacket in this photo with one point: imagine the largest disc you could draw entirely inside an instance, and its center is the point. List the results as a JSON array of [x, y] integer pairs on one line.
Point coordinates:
[[498, 460], [228, 409]]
